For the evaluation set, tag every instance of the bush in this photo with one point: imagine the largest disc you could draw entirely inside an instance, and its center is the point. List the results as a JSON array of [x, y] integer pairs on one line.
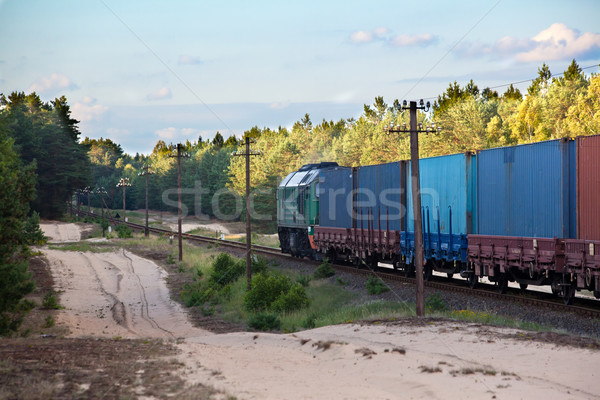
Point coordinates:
[[304, 280], [124, 232], [50, 301], [376, 285], [324, 271], [264, 322], [435, 303], [259, 264], [275, 292], [32, 233], [226, 270], [294, 299], [266, 288]]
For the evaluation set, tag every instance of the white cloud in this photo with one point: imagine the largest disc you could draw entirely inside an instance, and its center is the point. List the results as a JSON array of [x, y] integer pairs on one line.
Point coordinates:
[[381, 34], [52, 83], [560, 42], [185, 59], [413, 40], [381, 31], [88, 110], [160, 94], [361, 37], [172, 133], [279, 105], [166, 133]]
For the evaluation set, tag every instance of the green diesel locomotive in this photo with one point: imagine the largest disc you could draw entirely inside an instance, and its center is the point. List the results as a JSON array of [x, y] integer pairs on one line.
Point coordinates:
[[298, 209]]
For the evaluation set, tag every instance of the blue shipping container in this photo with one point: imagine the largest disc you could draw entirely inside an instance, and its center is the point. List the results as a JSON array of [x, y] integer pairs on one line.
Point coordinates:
[[335, 197], [379, 196], [527, 190]]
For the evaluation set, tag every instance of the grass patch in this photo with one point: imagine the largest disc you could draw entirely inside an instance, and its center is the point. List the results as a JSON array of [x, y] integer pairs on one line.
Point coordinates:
[[496, 320], [324, 271], [96, 247], [376, 286], [50, 302]]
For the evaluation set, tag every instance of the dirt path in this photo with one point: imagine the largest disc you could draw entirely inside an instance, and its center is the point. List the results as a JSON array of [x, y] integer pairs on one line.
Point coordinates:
[[116, 294], [446, 360], [59, 232]]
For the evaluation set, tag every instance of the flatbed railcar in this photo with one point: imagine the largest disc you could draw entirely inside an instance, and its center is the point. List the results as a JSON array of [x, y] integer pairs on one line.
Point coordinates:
[[527, 214]]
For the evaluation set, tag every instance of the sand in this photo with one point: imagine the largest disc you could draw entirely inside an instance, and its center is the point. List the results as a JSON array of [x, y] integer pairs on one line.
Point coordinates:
[[120, 294]]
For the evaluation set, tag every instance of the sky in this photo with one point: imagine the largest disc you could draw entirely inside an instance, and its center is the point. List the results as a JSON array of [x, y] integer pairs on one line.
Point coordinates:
[[141, 71]]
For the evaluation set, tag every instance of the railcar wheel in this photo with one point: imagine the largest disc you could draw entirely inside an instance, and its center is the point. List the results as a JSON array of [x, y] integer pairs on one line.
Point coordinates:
[[472, 280], [356, 261], [449, 275], [408, 270], [427, 271], [568, 291], [523, 286], [502, 283]]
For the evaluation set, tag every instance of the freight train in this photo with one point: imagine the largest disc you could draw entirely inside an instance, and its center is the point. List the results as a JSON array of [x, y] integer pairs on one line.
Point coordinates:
[[527, 213]]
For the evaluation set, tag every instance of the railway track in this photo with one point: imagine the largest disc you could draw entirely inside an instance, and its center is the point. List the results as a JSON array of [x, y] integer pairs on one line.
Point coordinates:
[[584, 307]]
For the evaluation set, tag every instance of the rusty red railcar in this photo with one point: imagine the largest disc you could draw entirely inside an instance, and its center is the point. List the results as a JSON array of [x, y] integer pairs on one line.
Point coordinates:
[[588, 187], [582, 260]]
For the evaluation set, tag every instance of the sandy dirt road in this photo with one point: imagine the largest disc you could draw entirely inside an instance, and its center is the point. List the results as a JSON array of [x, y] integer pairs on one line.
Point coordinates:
[[116, 294], [59, 232], [444, 360], [120, 294]]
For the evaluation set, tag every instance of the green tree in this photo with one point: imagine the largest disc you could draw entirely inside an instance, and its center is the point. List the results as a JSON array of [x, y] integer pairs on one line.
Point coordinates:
[[47, 135], [18, 189]]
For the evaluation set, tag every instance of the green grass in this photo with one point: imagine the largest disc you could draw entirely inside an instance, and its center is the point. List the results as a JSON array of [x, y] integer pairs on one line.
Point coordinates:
[[496, 320], [98, 247]]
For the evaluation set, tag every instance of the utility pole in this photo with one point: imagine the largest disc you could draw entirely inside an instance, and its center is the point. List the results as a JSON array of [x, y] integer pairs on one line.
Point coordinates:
[[124, 182], [101, 191], [87, 191], [416, 192], [146, 171], [247, 154], [179, 156]]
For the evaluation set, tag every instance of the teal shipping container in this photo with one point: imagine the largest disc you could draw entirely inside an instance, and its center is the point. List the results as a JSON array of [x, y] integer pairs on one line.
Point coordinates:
[[448, 185]]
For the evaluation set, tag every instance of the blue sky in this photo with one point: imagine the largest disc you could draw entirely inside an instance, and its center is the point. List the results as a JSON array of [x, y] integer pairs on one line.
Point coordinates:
[[139, 71]]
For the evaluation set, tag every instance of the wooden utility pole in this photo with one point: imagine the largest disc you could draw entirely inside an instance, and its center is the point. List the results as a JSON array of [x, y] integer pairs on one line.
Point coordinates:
[[101, 191], [124, 182], [414, 131], [179, 156], [247, 154], [146, 171]]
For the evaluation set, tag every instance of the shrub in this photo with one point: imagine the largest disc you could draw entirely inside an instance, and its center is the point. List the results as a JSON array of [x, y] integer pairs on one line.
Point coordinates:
[[304, 280], [294, 299], [264, 322], [324, 271], [310, 322], [259, 264], [435, 303], [266, 288], [124, 232], [170, 259], [226, 270], [49, 322], [50, 301], [32, 233], [376, 285]]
